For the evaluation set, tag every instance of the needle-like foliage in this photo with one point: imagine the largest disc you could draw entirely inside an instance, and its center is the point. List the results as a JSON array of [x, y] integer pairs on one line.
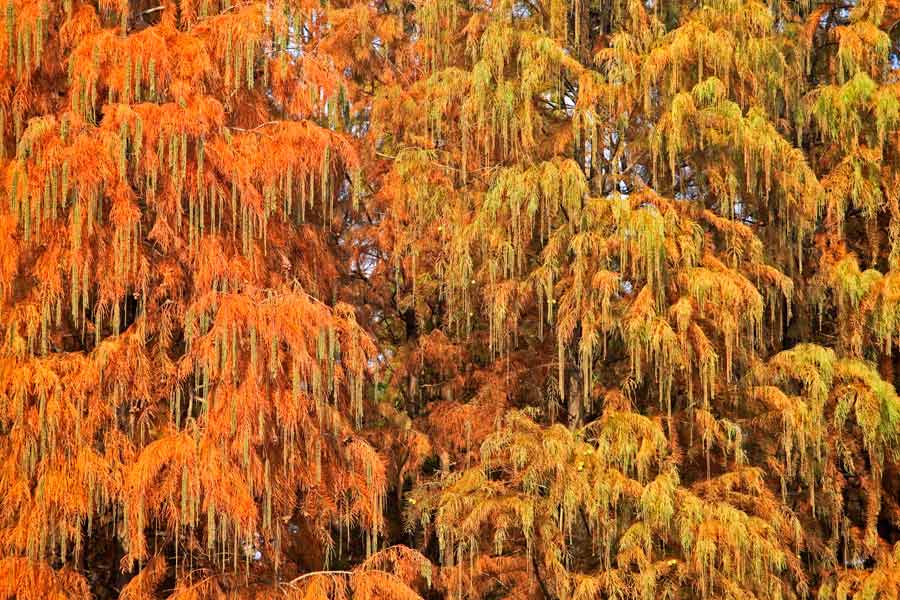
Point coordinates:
[[526, 299]]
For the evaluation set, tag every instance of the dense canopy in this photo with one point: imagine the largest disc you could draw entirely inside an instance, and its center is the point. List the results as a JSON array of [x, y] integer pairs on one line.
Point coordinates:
[[482, 300]]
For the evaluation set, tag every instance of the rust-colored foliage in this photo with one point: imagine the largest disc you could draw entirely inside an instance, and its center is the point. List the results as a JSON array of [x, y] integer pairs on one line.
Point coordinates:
[[530, 299]]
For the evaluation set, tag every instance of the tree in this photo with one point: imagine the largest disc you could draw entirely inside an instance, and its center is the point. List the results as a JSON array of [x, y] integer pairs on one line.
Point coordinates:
[[654, 211], [552, 300], [180, 372]]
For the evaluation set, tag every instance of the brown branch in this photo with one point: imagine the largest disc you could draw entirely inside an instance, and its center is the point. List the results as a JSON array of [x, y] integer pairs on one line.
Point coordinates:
[[537, 574]]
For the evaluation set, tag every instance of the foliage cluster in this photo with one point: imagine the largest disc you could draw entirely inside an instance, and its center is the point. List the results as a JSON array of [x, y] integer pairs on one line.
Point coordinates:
[[401, 299]]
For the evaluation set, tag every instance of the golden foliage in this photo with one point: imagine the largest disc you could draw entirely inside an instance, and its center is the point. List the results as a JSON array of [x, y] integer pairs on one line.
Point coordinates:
[[580, 299]]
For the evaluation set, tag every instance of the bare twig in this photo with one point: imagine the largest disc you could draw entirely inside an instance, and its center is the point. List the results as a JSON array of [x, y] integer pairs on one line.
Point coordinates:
[[258, 127], [293, 582]]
